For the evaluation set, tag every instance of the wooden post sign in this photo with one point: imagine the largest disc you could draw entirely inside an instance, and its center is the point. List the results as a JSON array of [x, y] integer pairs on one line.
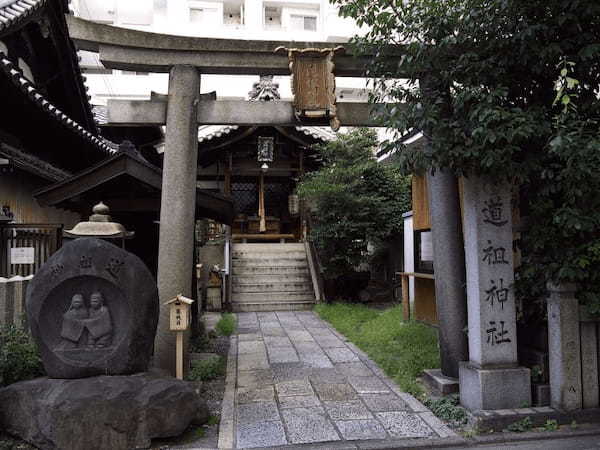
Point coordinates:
[[180, 317], [313, 83]]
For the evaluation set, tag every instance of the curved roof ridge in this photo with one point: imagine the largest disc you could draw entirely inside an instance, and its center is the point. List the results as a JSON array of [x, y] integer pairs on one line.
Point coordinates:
[[13, 12], [25, 86]]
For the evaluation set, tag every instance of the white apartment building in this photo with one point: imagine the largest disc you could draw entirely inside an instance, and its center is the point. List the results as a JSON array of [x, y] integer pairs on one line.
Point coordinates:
[[283, 20]]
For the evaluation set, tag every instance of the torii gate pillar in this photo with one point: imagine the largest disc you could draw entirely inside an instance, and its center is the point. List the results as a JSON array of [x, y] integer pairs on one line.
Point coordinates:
[[178, 204]]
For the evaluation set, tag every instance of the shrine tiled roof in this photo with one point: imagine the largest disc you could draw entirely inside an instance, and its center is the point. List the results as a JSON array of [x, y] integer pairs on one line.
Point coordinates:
[[13, 12], [25, 86]]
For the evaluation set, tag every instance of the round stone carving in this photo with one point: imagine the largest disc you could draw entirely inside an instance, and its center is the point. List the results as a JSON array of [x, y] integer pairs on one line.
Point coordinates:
[[93, 310]]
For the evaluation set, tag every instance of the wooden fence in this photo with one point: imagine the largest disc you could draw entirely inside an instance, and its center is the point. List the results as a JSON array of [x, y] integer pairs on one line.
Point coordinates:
[[40, 239]]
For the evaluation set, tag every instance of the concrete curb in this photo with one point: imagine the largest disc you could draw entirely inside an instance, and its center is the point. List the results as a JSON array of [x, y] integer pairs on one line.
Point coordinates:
[[227, 424]]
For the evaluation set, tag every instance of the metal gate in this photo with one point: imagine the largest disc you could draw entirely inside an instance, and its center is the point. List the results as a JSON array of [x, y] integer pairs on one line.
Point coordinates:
[[39, 240]]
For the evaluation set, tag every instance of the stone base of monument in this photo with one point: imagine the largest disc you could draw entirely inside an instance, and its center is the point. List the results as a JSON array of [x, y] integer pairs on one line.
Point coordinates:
[[104, 412], [498, 388], [441, 383]]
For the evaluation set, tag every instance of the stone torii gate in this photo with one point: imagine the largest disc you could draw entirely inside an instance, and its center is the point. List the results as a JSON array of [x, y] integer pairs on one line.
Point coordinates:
[[185, 59]]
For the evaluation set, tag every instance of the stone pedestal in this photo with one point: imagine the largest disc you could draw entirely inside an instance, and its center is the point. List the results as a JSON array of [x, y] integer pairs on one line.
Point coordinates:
[[178, 204], [449, 270], [491, 379], [564, 344]]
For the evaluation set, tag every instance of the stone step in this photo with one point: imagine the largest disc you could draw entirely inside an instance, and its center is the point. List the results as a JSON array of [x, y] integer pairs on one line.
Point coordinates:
[[271, 278], [262, 262], [268, 247], [266, 270], [271, 287], [272, 306], [265, 297], [243, 255]]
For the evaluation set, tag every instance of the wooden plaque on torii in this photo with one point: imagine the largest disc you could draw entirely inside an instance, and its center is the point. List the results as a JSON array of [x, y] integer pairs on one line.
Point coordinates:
[[313, 83]]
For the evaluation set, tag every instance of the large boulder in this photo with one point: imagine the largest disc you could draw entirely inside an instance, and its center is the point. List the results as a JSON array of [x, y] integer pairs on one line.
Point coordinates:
[[106, 412], [93, 310]]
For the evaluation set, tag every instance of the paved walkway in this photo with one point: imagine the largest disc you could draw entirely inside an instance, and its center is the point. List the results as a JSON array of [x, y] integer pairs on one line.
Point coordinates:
[[292, 379]]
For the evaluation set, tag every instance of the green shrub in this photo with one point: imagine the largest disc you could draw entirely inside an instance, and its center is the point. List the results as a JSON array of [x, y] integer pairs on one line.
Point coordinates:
[[226, 325], [19, 356], [521, 425], [447, 408], [207, 369]]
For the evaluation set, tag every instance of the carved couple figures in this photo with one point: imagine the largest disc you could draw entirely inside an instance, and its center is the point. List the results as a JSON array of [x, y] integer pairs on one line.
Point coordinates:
[[85, 327]]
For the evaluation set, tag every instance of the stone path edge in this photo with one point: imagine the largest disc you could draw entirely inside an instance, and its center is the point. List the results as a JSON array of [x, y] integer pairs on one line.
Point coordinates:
[[227, 423]]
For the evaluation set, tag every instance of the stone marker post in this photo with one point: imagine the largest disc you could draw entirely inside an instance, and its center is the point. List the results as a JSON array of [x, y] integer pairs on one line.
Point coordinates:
[[178, 204], [564, 345], [491, 379], [449, 269]]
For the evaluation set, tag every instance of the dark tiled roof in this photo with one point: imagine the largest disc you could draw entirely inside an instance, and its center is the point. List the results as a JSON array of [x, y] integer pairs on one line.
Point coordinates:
[[23, 84], [13, 12]]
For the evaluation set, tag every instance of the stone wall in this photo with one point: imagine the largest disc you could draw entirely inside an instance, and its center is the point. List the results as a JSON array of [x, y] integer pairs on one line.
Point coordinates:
[[574, 344], [12, 300]]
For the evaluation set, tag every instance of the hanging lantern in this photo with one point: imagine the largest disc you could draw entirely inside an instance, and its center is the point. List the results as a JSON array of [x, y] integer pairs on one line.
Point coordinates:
[[294, 204], [266, 144]]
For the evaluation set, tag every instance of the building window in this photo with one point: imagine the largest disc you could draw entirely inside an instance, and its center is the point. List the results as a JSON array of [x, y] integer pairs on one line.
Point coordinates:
[[300, 22], [204, 15], [272, 17]]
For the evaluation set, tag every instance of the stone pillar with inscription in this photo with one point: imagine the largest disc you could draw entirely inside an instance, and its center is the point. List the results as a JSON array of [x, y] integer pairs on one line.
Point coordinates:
[[178, 204], [491, 379]]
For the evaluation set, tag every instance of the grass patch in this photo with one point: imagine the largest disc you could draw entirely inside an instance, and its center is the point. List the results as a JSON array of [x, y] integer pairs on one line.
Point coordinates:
[[402, 349], [226, 325], [207, 369]]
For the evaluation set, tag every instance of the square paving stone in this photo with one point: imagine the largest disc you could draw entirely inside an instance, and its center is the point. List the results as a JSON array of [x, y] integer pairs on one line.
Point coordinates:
[[354, 409], [298, 401], [340, 355], [353, 430], [257, 412], [295, 387], [245, 347], [261, 434], [290, 371], [327, 375], [253, 361], [255, 394], [308, 348], [404, 424], [335, 391], [354, 369], [247, 329], [277, 341], [254, 378], [300, 336], [384, 402], [249, 337], [368, 385], [306, 425], [273, 331], [317, 360], [282, 355]]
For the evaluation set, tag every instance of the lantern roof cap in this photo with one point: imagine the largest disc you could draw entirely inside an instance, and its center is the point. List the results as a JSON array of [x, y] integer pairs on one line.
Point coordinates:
[[99, 225]]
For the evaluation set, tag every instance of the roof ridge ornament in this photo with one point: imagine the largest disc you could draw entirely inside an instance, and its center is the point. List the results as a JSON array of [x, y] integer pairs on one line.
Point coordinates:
[[265, 89], [313, 83]]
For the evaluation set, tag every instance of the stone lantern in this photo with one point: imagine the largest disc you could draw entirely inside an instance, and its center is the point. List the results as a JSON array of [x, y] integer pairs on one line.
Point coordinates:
[[100, 226]]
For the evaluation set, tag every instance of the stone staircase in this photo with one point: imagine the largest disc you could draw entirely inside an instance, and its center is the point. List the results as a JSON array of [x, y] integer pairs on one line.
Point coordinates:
[[270, 277]]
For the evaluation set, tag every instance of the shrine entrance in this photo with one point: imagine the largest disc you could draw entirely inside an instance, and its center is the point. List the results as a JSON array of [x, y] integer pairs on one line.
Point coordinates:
[[313, 67]]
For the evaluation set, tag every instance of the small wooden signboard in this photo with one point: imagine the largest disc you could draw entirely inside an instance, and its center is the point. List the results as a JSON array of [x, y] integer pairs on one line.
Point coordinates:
[[180, 317]]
